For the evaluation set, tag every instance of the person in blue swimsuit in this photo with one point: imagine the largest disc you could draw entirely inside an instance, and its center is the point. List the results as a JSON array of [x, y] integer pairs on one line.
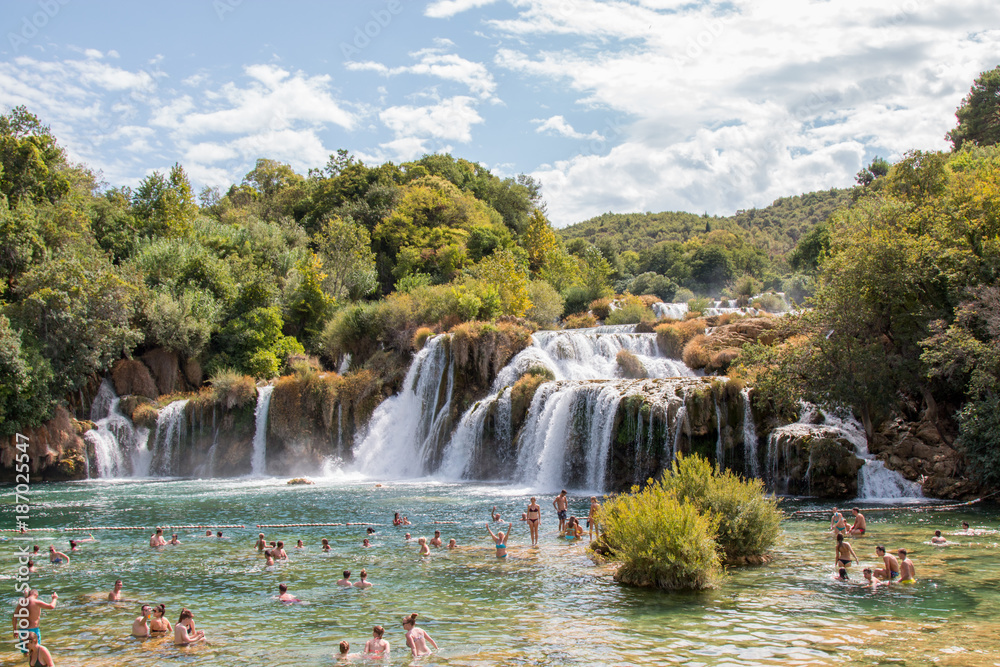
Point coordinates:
[[57, 557], [500, 539]]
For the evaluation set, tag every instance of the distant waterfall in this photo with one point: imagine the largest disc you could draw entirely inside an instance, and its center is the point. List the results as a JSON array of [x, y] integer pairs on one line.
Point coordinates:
[[115, 439], [167, 438], [408, 427], [259, 461], [752, 467]]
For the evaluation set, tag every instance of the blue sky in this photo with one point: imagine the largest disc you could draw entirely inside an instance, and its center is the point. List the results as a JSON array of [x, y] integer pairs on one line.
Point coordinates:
[[638, 105]]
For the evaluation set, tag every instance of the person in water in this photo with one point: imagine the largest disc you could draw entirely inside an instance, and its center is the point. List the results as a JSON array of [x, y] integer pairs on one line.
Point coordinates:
[[261, 542], [495, 515], [326, 545], [533, 515], [376, 647], [424, 549], [38, 655], [837, 523], [573, 530], [345, 648], [159, 623], [842, 574], [397, 520], [184, 632], [370, 531], [890, 569], [284, 595], [938, 538], [436, 540], [363, 583], [407, 537], [592, 527], [300, 545], [116, 593], [366, 543], [860, 523], [28, 615], [31, 566], [870, 580], [140, 626], [561, 503], [843, 553], [174, 540], [208, 533], [57, 557], [500, 539], [268, 558], [156, 539], [279, 551], [907, 573], [346, 581], [452, 544], [417, 638]]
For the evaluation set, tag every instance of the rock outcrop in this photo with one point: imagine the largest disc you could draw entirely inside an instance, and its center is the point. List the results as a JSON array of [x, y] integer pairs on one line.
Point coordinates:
[[923, 451]]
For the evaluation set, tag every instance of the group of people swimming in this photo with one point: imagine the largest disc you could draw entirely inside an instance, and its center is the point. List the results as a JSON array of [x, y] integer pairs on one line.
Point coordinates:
[[896, 568], [377, 648]]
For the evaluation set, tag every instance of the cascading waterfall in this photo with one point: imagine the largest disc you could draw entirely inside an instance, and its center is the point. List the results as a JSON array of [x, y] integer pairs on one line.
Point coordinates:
[[167, 438], [680, 421], [720, 446], [115, 439], [407, 427], [259, 461], [749, 438]]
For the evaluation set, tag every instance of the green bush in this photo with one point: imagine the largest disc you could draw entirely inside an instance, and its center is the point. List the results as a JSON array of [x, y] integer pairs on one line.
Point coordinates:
[[577, 299], [631, 310], [231, 389], [978, 435], [748, 519], [661, 541], [630, 365], [546, 303], [698, 305], [772, 303]]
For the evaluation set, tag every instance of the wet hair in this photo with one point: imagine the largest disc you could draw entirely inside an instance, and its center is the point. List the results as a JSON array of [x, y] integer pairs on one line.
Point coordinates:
[[219, 533], [378, 630], [965, 524], [280, 544], [867, 570], [31, 563], [267, 552], [902, 552], [72, 544], [283, 588], [185, 614], [364, 573], [880, 548], [436, 533], [325, 541], [159, 530], [937, 533], [843, 573], [162, 608], [411, 619], [347, 573], [840, 538], [855, 509], [371, 530], [345, 646]]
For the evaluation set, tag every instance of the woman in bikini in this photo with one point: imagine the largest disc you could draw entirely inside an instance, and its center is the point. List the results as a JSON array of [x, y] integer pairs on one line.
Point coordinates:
[[416, 638], [376, 647], [573, 530], [500, 539], [844, 553], [159, 623], [534, 515]]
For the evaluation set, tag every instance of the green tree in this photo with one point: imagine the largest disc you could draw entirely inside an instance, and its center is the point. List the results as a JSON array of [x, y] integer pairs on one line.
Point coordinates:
[[595, 273], [979, 114], [347, 259], [309, 305], [21, 246], [32, 165], [165, 205], [184, 322]]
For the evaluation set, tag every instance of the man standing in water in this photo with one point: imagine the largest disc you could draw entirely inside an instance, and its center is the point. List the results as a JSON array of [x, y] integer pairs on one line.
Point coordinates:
[[907, 572], [116, 593], [157, 539], [28, 615], [533, 516], [561, 503]]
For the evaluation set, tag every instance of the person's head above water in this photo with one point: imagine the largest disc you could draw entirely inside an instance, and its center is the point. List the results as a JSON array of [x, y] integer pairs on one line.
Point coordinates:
[[345, 646], [965, 525], [347, 574], [937, 533], [410, 621], [282, 588], [842, 573], [378, 631]]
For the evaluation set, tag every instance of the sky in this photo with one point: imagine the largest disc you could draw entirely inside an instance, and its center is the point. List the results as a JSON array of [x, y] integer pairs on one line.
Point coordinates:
[[616, 105]]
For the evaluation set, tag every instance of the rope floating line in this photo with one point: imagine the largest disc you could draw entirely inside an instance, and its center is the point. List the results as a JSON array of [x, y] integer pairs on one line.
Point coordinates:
[[307, 525], [893, 508], [93, 528]]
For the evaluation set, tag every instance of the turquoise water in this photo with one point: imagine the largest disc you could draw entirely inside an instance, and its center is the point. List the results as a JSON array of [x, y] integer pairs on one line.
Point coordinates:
[[549, 605]]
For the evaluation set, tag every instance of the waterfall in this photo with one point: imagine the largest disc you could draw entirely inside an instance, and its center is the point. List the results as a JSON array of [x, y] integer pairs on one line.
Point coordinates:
[[167, 438], [259, 461], [720, 446], [751, 466], [406, 428], [115, 438], [672, 311]]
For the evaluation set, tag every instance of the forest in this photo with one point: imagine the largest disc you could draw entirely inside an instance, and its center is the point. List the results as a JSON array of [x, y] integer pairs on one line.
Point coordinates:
[[899, 273]]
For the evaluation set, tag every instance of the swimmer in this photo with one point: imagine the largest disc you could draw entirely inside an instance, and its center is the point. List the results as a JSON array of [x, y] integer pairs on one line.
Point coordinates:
[[843, 553], [592, 527], [72, 546], [938, 539], [500, 540], [57, 557], [424, 549], [366, 543], [495, 515], [871, 580], [371, 531], [34, 607], [907, 572], [534, 515], [860, 524], [140, 626], [326, 545], [31, 566], [174, 540], [116, 593], [436, 540], [890, 570], [279, 551], [159, 623], [156, 540], [38, 655], [561, 503], [407, 537], [268, 558], [300, 545], [284, 595], [452, 544], [219, 534], [184, 632], [837, 523], [376, 647], [261, 542], [573, 530], [406, 521], [346, 581], [208, 533], [842, 574], [416, 638], [345, 648], [364, 583], [965, 526], [396, 520]]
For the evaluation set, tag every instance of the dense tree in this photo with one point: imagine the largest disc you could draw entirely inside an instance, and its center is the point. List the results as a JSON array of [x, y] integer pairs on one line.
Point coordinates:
[[32, 166], [979, 114], [347, 259]]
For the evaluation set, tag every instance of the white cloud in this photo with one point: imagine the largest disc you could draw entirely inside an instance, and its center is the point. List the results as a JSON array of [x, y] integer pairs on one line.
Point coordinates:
[[451, 119], [445, 9], [558, 125], [446, 66]]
